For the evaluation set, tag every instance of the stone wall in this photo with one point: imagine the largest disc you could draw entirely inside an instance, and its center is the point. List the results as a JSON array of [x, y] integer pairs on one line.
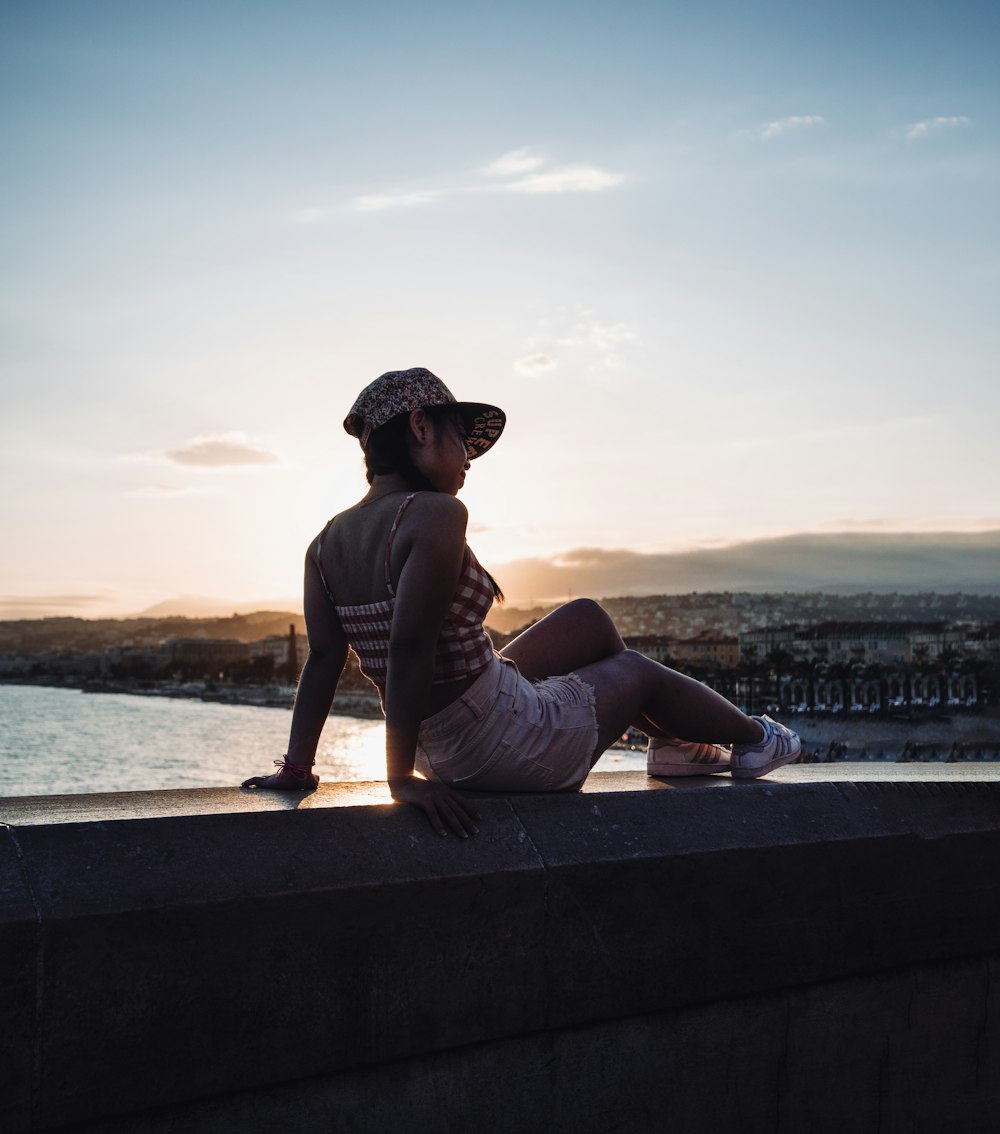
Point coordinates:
[[788, 954]]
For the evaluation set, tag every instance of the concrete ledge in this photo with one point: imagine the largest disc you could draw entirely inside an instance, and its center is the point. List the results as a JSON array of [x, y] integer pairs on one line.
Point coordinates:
[[20, 952], [159, 964], [901, 1051]]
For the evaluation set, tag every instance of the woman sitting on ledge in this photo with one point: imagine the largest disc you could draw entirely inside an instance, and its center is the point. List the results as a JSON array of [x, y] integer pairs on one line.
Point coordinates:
[[393, 578]]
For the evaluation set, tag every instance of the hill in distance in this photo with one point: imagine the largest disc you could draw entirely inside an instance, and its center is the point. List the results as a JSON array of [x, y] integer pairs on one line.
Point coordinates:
[[839, 563], [201, 606]]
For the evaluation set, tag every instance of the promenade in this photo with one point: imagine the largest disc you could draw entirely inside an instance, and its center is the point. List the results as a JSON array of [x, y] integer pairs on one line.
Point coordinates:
[[816, 951]]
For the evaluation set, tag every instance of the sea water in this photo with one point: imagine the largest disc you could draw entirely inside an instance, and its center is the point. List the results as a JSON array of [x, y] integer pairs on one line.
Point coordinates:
[[62, 741]]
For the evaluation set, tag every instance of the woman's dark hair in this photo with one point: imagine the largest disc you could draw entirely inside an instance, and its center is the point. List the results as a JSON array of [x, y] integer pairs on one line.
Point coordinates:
[[388, 451]]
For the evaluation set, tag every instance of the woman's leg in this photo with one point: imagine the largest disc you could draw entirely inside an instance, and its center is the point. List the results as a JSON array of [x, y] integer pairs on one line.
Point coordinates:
[[573, 635], [576, 635], [630, 687]]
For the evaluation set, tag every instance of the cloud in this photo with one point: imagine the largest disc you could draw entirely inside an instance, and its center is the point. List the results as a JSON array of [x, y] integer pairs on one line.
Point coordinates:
[[902, 524], [567, 179], [783, 125], [224, 450], [533, 364], [918, 130], [46, 606], [513, 163], [524, 166], [164, 491], [32, 602], [578, 339], [594, 334], [839, 562], [378, 202]]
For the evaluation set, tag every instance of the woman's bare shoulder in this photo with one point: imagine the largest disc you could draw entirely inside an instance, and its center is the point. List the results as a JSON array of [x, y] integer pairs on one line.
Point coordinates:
[[439, 504], [439, 510]]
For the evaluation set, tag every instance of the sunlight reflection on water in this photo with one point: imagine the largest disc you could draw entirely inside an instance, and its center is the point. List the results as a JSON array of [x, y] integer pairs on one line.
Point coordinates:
[[61, 741]]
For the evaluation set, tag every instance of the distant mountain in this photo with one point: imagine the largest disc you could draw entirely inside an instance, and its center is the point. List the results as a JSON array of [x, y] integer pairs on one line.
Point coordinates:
[[200, 606], [841, 563]]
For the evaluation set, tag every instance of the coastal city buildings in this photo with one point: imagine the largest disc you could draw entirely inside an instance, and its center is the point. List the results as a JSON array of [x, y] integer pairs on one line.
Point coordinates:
[[791, 652]]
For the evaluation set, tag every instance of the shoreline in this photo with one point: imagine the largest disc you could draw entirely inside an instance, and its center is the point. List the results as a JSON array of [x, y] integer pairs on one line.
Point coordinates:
[[349, 703], [921, 737], [833, 737]]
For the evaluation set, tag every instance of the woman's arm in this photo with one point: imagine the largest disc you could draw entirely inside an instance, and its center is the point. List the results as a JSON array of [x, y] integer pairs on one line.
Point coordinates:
[[434, 554], [317, 684]]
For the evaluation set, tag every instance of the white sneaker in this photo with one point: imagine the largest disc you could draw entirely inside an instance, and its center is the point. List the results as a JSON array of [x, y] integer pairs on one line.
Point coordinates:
[[779, 746], [667, 756]]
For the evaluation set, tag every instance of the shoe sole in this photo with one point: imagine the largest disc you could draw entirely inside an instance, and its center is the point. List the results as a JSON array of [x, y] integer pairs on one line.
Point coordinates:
[[755, 773], [672, 770]]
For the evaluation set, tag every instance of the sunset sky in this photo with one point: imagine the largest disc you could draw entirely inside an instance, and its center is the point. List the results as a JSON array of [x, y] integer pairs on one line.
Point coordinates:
[[732, 269]]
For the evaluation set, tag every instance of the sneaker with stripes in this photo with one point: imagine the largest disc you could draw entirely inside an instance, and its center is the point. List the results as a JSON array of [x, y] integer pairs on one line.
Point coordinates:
[[779, 746], [667, 756]]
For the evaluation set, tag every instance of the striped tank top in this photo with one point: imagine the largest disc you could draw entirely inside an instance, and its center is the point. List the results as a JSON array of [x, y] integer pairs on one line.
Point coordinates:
[[463, 648]]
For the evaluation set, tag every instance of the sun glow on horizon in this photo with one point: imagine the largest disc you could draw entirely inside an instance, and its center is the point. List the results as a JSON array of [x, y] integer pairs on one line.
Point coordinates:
[[729, 287]]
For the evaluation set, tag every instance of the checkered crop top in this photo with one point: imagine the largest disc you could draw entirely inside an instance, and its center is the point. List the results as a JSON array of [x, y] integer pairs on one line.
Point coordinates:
[[463, 648]]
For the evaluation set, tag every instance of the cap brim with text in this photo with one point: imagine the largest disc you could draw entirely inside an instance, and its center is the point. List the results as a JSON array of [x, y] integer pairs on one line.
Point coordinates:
[[401, 391]]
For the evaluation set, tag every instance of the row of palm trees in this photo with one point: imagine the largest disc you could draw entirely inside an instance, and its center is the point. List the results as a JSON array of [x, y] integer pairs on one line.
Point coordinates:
[[788, 681]]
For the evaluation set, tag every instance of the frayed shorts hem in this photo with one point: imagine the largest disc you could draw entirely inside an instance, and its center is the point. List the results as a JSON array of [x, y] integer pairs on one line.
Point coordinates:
[[506, 733]]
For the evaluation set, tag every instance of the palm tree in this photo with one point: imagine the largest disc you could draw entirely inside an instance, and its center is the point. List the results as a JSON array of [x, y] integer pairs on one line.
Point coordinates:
[[842, 673], [983, 670], [749, 668], [779, 659], [809, 669], [875, 673], [945, 668], [723, 679]]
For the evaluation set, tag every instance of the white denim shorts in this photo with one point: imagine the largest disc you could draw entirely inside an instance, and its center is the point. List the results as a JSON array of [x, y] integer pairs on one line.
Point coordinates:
[[507, 734]]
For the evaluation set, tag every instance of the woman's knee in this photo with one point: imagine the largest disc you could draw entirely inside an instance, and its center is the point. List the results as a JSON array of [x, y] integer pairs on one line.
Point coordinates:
[[583, 608], [594, 616]]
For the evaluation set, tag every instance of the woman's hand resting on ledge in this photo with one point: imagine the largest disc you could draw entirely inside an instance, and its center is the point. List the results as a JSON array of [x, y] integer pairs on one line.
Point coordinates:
[[288, 777], [439, 803]]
